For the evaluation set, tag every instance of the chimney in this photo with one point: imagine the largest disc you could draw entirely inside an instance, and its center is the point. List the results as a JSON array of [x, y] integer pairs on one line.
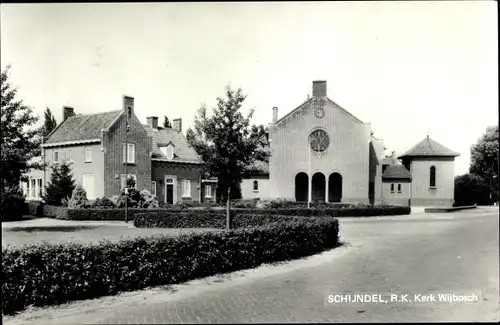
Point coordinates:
[[275, 114], [177, 124], [319, 89], [128, 105], [153, 121], [68, 112]]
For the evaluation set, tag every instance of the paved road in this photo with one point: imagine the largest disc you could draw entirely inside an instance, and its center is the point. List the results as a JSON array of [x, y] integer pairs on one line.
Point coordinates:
[[427, 254]]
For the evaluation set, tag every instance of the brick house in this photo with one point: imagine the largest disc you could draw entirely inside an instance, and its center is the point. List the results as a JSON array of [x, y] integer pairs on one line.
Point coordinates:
[[321, 152], [98, 146]]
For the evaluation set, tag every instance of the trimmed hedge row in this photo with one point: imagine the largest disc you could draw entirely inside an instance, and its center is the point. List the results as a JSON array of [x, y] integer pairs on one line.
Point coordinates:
[[51, 274], [119, 214], [208, 220]]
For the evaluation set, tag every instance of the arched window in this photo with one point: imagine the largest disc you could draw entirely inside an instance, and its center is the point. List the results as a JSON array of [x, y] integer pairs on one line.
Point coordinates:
[[432, 178], [399, 188], [392, 187], [255, 185]]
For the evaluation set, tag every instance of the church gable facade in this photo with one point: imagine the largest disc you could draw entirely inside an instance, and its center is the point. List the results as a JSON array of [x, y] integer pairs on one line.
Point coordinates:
[[320, 152]]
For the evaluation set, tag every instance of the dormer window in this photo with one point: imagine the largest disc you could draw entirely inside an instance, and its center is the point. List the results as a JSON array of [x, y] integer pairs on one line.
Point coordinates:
[[168, 151]]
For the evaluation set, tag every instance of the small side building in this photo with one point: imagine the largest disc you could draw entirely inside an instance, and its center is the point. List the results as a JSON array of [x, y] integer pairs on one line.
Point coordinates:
[[432, 169]]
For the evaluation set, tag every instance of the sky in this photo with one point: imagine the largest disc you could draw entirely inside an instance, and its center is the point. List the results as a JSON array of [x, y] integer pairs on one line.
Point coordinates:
[[408, 68]]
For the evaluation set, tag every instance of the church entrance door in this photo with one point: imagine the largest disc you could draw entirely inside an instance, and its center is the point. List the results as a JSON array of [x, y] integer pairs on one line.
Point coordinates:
[[301, 187]]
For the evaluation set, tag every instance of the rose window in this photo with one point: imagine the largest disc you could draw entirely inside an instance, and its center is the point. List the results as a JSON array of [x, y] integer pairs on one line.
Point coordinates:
[[319, 140]]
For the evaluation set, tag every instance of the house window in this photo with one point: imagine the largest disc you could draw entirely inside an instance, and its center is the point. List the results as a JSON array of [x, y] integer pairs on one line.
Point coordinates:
[[33, 188], [255, 186], [168, 151], [27, 186], [123, 183], [56, 156], [392, 188], [208, 191], [40, 187], [130, 153], [88, 185], [88, 154], [71, 155], [399, 188], [186, 188], [432, 179], [153, 188]]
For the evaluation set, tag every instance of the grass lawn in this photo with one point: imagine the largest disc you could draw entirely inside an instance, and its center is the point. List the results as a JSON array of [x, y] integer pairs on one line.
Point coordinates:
[[35, 231]]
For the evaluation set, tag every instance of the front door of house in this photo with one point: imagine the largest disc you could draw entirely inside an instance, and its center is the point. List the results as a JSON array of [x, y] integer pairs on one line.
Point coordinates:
[[170, 193], [170, 189]]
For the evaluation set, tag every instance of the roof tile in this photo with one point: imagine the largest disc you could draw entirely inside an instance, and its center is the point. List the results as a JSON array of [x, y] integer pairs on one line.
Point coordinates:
[[183, 152], [428, 148], [82, 127], [396, 171]]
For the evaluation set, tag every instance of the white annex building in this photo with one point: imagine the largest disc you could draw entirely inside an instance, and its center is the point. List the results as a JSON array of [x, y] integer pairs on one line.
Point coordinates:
[[321, 152]]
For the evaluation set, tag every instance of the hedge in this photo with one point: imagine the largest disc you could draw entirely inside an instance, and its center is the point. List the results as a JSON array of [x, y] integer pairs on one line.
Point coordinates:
[[193, 219], [48, 274], [34, 209], [118, 214]]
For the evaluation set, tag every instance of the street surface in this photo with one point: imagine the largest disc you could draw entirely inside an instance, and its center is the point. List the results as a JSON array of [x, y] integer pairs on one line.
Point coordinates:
[[427, 254]]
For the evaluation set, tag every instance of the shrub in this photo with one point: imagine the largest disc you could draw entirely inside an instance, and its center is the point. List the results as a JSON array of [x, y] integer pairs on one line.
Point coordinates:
[[104, 202], [207, 219], [283, 204], [148, 200], [78, 198], [12, 204], [35, 209], [61, 185], [50, 211], [50, 274]]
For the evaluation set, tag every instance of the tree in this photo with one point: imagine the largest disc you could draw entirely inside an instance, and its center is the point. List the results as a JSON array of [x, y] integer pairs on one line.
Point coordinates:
[[78, 198], [60, 186], [19, 143], [484, 158], [471, 189], [166, 123], [50, 122], [227, 144]]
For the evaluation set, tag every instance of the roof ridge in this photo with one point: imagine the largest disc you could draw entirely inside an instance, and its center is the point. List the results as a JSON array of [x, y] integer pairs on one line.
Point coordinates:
[[93, 114]]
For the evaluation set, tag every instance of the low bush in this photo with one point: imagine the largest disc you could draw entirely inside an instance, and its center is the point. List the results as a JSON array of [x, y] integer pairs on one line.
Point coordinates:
[[113, 214], [50, 211], [283, 204], [12, 204], [207, 219], [103, 203], [78, 199], [118, 214], [51, 274], [372, 211], [34, 209]]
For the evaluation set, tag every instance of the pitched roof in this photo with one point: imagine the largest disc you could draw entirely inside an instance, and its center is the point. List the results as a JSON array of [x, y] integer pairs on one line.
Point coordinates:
[[82, 127], [183, 152], [429, 148], [310, 100], [396, 171]]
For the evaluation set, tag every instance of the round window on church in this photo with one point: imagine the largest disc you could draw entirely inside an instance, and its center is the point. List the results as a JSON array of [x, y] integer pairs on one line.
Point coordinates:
[[319, 140]]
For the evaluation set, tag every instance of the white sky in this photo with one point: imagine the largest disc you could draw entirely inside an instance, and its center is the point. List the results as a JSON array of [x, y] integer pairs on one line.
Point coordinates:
[[406, 67]]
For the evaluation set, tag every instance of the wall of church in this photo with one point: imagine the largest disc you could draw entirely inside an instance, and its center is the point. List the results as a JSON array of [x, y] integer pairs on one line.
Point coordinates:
[[422, 194], [396, 192], [347, 154]]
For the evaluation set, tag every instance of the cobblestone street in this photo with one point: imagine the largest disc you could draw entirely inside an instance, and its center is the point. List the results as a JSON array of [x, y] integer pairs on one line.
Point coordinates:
[[442, 253]]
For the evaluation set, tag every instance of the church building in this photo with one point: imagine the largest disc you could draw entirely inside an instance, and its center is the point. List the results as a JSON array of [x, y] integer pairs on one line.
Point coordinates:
[[321, 152]]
